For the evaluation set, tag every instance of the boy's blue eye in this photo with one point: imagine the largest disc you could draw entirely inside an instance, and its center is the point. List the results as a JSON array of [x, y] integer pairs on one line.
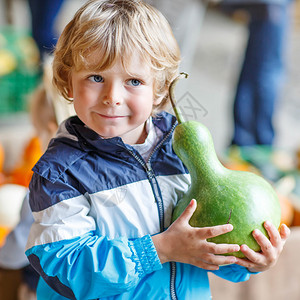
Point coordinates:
[[96, 78], [134, 82]]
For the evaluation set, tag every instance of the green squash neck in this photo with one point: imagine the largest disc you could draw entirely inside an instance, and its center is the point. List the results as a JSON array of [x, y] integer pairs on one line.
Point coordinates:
[[193, 144], [209, 170]]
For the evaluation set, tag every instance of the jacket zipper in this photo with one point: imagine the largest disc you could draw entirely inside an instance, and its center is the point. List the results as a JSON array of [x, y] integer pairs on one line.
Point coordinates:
[[157, 195], [172, 264], [159, 201], [155, 187], [172, 280]]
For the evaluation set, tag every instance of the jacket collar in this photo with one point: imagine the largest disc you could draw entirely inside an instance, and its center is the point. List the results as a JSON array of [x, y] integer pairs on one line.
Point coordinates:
[[89, 140], [78, 140]]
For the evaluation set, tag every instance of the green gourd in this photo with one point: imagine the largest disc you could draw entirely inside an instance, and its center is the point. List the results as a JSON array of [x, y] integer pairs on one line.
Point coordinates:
[[223, 196]]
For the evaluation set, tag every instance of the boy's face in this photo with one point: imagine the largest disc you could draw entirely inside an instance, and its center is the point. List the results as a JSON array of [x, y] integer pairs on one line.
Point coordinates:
[[116, 101]]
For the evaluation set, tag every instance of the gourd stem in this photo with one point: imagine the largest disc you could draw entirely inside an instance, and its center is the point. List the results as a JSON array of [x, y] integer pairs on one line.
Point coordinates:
[[172, 96]]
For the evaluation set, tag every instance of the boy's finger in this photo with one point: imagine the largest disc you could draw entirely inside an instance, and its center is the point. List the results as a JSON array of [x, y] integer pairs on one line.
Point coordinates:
[[284, 232], [250, 255], [210, 232], [273, 233], [224, 260], [189, 210], [267, 246], [223, 248], [213, 231]]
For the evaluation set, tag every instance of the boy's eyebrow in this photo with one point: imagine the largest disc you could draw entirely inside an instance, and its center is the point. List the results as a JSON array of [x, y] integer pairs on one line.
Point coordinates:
[[134, 74], [143, 74]]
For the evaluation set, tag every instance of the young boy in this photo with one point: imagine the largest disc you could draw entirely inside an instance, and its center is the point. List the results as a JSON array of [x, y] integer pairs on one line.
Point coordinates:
[[103, 193]]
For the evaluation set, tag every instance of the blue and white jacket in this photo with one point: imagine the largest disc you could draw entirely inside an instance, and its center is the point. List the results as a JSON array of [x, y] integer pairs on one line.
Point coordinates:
[[96, 203]]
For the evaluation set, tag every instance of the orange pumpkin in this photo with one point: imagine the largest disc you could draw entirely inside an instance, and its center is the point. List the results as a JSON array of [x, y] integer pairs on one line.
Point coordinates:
[[4, 231], [296, 221], [287, 210], [22, 173], [296, 202], [241, 166], [1, 157]]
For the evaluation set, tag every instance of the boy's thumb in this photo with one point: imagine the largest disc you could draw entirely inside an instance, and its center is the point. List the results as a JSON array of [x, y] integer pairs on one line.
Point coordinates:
[[189, 210]]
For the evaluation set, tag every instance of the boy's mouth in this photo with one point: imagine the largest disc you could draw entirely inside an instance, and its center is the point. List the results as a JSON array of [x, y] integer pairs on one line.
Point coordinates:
[[110, 116]]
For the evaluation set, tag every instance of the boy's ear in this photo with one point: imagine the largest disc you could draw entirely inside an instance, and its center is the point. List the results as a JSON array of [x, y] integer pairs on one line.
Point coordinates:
[[70, 93], [159, 99], [70, 89]]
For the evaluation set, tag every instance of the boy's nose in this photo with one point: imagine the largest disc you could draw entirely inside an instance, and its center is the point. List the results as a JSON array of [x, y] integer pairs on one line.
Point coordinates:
[[112, 95], [111, 101]]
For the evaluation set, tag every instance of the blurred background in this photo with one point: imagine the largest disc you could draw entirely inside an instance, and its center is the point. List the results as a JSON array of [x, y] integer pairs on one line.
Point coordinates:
[[213, 59], [214, 38]]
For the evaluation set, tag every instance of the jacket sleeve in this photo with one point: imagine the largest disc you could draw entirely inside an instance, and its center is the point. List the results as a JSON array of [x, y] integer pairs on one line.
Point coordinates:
[[234, 273], [72, 257]]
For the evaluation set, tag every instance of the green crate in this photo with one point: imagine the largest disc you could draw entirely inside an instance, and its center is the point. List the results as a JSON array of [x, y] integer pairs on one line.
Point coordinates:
[[14, 91], [20, 72]]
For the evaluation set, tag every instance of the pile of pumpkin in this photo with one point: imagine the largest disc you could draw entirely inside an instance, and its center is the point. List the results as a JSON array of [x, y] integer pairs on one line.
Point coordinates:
[[14, 184], [280, 167]]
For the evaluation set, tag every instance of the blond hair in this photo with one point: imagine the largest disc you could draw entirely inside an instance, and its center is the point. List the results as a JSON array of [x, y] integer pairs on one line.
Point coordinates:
[[117, 28], [41, 109]]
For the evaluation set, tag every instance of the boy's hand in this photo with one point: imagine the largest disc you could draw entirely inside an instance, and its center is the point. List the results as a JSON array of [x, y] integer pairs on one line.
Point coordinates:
[[184, 243], [270, 249]]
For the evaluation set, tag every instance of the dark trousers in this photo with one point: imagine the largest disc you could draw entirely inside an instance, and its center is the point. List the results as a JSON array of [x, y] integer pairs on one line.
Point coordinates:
[[261, 76], [43, 14]]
